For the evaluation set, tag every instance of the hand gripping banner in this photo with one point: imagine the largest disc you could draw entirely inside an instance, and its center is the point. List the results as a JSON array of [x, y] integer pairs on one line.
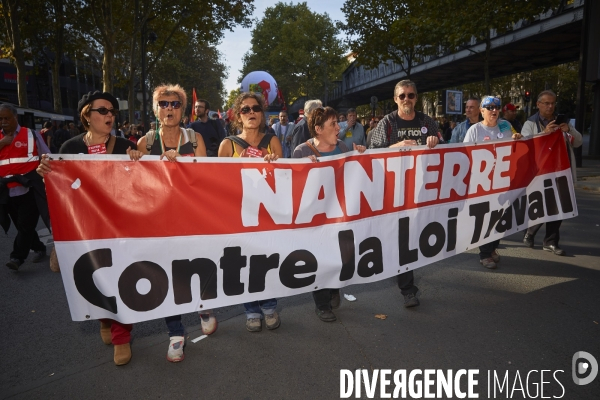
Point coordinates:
[[148, 239]]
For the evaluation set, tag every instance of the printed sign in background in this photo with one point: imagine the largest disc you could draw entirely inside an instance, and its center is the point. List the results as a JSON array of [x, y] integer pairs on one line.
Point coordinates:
[[142, 240]]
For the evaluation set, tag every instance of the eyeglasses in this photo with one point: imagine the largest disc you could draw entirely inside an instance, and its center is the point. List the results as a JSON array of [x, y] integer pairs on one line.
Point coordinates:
[[165, 104], [493, 108], [403, 96], [104, 111], [246, 110]]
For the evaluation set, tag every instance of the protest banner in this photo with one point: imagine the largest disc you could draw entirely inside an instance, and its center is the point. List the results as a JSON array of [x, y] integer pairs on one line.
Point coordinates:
[[147, 239]]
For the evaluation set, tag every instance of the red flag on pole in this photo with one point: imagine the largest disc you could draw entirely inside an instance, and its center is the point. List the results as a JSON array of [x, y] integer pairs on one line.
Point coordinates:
[[194, 98]]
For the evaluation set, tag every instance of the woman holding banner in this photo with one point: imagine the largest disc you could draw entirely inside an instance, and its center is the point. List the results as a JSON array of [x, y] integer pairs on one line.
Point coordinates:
[[491, 128], [97, 113], [324, 128], [249, 119]]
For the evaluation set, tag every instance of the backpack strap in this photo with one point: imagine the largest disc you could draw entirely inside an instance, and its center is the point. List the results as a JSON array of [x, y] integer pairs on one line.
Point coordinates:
[[266, 140], [313, 148], [110, 146], [239, 141], [150, 140], [192, 138]]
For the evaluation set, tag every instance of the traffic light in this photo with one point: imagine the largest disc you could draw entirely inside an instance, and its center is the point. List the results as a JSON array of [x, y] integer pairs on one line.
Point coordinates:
[[527, 97]]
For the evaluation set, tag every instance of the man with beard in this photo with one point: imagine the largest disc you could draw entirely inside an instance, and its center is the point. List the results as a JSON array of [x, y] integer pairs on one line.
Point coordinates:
[[212, 131], [402, 128]]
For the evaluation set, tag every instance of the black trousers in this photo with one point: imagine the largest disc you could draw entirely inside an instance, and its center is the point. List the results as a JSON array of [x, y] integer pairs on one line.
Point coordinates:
[[552, 232], [486, 250], [406, 282], [24, 214], [322, 298]]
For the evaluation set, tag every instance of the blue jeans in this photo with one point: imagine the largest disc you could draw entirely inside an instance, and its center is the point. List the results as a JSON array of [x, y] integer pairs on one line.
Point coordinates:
[[256, 309], [175, 326]]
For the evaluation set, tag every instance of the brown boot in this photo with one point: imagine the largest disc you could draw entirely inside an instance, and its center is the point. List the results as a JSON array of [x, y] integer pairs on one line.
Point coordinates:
[[54, 266], [122, 354], [105, 332]]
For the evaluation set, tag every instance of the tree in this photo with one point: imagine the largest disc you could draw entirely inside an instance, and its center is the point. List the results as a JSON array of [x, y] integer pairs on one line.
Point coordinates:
[[231, 99], [14, 44], [299, 48], [382, 30]]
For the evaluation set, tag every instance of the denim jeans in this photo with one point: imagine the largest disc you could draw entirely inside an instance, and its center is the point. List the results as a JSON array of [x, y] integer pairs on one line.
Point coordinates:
[[256, 309], [175, 326]]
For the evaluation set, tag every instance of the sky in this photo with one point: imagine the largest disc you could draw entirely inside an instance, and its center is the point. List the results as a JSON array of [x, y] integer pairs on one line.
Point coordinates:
[[235, 44]]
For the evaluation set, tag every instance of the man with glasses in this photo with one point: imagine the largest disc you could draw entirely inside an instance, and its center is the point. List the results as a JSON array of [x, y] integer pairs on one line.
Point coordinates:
[[403, 128], [545, 121], [472, 114], [212, 131]]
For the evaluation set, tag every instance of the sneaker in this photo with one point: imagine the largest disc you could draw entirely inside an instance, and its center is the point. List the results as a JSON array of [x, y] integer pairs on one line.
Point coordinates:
[[336, 299], [325, 315], [495, 256], [38, 256], [105, 332], [488, 263], [410, 300], [175, 353], [122, 354], [208, 323], [528, 240], [272, 321], [14, 264], [254, 324]]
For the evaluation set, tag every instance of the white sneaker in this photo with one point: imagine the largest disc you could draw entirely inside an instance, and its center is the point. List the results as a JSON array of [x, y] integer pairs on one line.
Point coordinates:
[[175, 353], [208, 323]]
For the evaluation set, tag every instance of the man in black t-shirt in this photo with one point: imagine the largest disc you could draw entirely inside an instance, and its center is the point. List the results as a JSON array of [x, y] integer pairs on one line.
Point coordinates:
[[401, 128], [212, 131]]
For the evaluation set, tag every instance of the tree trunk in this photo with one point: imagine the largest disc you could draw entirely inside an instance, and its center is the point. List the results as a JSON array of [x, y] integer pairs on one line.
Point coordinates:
[[56, 85], [14, 35], [107, 68], [58, 55], [486, 66], [130, 86]]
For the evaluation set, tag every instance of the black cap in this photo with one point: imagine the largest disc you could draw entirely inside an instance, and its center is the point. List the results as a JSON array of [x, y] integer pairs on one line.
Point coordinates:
[[88, 98]]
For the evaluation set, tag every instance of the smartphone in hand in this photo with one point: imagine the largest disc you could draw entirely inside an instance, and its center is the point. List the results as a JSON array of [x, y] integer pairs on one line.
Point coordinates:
[[561, 119]]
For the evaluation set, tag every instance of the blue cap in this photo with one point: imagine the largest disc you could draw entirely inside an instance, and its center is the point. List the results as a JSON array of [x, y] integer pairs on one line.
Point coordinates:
[[489, 100]]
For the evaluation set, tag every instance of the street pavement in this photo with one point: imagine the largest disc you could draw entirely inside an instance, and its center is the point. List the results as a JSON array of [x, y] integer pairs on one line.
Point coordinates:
[[532, 313]]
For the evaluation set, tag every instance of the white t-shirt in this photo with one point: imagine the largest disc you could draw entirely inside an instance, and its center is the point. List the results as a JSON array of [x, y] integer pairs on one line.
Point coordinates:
[[480, 133]]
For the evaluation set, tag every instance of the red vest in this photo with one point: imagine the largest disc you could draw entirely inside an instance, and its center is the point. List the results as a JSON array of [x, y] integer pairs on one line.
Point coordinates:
[[20, 157]]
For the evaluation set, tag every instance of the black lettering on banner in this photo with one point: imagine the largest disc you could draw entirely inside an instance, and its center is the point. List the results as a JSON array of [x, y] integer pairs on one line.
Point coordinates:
[[505, 222], [494, 218], [83, 270], [370, 263], [478, 211], [564, 194], [159, 285], [432, 229], [290, 267], [259, 266], [536, 206], [405, 254], [520, 206], [550, 198], [452, 224], [232, 263], [184, 270], [347, 250]]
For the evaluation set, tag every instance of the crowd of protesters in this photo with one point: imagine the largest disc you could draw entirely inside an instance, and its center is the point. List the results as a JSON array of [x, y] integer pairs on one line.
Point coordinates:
[[318, 132]]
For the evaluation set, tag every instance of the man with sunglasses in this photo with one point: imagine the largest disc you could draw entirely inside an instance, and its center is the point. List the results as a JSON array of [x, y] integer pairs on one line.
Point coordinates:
[[402, 128], [545, 121], [212, 131]]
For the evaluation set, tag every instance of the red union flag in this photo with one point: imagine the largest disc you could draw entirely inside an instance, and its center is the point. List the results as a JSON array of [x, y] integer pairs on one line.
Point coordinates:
[[148, 239]]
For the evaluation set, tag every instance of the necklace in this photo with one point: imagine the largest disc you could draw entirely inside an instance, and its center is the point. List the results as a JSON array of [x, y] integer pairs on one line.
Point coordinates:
[[162, 142]]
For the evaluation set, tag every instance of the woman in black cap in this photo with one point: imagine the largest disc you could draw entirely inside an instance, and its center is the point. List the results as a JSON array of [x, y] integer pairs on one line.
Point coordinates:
[[97, 112]]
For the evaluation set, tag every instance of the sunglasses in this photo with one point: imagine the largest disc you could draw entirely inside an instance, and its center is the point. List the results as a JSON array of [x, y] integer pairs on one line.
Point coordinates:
[[493, 108], [247, 109], [403, 96], [165, 104], [104, 111]]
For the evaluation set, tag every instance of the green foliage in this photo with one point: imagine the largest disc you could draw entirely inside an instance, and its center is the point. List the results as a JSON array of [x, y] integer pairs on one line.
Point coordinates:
[[232, 96], [299, 48]]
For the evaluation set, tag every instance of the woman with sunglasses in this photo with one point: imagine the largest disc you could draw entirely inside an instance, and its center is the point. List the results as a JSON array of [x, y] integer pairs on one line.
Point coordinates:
[[172, 141], [324, 129], [491, 128], [249, 119], [97, 113]]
